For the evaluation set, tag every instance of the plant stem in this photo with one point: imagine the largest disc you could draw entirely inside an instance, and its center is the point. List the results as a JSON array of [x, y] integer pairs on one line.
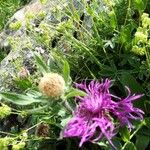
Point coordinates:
[[138, 128]]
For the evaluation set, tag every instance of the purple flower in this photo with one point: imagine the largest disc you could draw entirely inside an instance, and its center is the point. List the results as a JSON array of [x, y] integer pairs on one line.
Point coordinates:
[[125, 111], [95, 114]]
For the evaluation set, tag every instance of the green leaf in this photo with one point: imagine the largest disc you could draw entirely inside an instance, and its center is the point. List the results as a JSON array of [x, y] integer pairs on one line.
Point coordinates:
[[128, 80], [140, 4], [125, 134], [129, 146], [64, 121], [107, 71], [23, 83], [117, 143], [142, 142], [75, 92], [147, 122], [19, 99], [40, 63], [125, 34], [144, 131], [33, 93], [66, 71], [113, 20]]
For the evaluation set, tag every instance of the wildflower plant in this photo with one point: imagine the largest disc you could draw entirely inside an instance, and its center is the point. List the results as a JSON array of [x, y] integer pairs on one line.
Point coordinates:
[[93, 118], [92, 53]]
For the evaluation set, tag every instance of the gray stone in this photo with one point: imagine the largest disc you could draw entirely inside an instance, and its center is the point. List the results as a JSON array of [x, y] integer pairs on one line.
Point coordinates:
[[21, 55], [19, 44]]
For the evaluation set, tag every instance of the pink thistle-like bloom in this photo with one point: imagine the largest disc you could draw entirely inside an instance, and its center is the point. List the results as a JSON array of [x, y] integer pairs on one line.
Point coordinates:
[[95, 114]]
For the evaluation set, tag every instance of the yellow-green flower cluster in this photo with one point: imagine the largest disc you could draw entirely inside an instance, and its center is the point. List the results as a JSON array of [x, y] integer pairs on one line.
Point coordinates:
[[138, 50], [141, 35], [18, 146], [15, 26], [42, 14], [43, 1], [4, 142], [4, 111], [14, 42], [141, 40], [46, 33], [29, 17], [145, 20]]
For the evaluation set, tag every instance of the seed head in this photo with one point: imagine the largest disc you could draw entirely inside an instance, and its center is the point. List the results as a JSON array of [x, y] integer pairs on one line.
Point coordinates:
[[52, 85], [42, 130]]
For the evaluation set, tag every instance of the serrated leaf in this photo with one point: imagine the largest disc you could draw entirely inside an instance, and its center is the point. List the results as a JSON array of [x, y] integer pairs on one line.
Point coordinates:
[[66, 71], [40, 63], [75, 92], [19, 99], [129, 146]]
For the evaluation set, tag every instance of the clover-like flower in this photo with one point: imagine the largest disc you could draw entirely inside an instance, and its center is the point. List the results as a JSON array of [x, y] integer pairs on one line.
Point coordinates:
[[96, 113]]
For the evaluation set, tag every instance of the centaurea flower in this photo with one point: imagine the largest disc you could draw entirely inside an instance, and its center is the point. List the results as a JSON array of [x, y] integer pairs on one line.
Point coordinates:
[[95, 114]]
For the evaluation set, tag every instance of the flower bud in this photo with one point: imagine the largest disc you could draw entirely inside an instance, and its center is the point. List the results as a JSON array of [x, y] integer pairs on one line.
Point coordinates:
[[4, 111], [23, 73], [52, 85], [42, 130]]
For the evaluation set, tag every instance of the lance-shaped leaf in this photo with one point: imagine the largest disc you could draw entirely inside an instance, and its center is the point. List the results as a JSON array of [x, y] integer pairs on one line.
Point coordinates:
[[40, 63], [75, 92], [66, 71], [19, 99]]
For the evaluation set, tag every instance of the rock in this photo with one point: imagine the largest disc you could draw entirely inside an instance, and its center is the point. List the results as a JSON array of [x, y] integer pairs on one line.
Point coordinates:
[[17, 43], [32, 28]]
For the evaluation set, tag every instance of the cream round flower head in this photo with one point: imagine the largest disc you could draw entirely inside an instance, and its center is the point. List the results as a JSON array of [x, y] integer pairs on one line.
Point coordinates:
[[52, 85]]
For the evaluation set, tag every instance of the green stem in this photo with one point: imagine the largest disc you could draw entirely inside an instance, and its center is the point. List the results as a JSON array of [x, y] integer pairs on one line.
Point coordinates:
[[7, 133], [80, 44], [138, 128], [33, 126], [67, 105], [126, 17], [31, 111]]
